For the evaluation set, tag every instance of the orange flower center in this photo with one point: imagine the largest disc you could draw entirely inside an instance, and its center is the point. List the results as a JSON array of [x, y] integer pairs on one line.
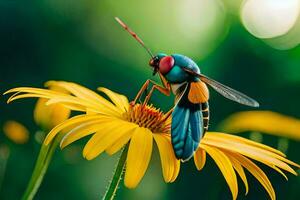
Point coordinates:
[[148, 116]]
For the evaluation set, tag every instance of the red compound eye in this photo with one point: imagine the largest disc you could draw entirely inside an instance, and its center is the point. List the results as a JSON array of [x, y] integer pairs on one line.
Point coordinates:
[[166, 64]]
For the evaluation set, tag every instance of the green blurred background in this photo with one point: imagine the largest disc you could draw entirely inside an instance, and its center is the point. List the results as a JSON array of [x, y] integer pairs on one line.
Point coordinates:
[[79, 41]]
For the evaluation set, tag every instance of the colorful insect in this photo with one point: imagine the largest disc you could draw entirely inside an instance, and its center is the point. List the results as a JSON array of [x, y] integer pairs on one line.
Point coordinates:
[[190, 115]]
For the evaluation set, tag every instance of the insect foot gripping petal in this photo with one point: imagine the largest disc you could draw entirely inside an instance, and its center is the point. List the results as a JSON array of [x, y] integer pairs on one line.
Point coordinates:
[[186, 129]]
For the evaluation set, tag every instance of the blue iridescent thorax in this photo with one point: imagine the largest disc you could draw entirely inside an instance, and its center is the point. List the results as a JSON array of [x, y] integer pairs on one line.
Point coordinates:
[[184, 61], [177, 74]]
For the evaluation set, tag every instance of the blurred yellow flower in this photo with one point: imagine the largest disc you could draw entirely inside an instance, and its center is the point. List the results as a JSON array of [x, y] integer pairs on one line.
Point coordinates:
[[231, 154], [113, 125], [116, 123], [48, 116], [263, 121], [16, 132]]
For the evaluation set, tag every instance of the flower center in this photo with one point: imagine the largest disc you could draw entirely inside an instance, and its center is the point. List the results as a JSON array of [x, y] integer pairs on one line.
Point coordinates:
[[148, 116]]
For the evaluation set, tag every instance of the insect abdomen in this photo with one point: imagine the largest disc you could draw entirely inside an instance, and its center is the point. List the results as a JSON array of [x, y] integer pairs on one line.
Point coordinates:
[[205, 114]]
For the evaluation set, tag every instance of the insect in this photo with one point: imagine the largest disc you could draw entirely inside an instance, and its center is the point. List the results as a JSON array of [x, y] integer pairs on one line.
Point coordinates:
[[190, 114]]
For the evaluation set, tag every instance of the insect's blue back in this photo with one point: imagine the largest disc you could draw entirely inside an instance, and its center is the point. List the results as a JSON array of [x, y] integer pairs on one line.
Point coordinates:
[[187, 120], [177, 74], [184, 61], [187, 128]]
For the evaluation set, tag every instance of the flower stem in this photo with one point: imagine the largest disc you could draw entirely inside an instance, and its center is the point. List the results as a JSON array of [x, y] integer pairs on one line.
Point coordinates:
[[41, 166], [4, 155], [118, 174]]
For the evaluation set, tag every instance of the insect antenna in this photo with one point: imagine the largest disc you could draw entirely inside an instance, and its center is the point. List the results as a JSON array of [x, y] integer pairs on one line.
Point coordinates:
[[134, 35]]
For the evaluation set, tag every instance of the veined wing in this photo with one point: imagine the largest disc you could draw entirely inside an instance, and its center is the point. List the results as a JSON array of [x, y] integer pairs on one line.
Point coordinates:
[[226, 91]]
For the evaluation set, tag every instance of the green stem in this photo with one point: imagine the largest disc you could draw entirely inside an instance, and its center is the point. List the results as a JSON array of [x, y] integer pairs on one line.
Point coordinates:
[[4, 155], [112, 189], [41, 166]]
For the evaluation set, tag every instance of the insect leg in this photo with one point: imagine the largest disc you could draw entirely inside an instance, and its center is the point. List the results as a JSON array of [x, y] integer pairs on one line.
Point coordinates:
[[164, 89], [142, 90]]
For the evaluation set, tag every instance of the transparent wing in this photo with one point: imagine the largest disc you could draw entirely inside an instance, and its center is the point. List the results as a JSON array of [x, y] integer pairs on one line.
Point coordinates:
[[229, 92], [226, 91]]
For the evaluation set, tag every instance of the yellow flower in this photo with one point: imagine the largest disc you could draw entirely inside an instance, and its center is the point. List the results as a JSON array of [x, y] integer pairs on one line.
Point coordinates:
[[48, 116], [263, 121], [231, 154], [113, 125], [16, 132], [116, 123]]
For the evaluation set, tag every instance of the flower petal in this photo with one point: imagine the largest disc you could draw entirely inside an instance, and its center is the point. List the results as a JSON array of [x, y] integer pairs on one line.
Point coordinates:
[[200, 158], [138, 158], [256, 172], [69, 103], [106, 137], [82, 93], [22, 96], [176, 171], [48, 117], [239, 169], [239, 139], [119, 100], [66, 99], [259, 154], [119, 143], [225, 166], [169, 162], [101, 109], [45, 92], [70, 122], [83, 130]]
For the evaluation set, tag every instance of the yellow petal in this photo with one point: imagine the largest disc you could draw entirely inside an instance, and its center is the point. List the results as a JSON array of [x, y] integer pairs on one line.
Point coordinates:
[[263, 121], [44, 92], [106, 136], [200, 158], [139, 154], [70, 122], [22, 96], [73, 100], [119, 143], [119, 100], [75, 89], [75, 107], [253, 152], [239, 169], [50, 116], [82, 92], [256, 172], [83, 130], [225, 166], [169, 162], [176, 171], [66, 99], [90, 112], [279, 171], [239, 139]]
